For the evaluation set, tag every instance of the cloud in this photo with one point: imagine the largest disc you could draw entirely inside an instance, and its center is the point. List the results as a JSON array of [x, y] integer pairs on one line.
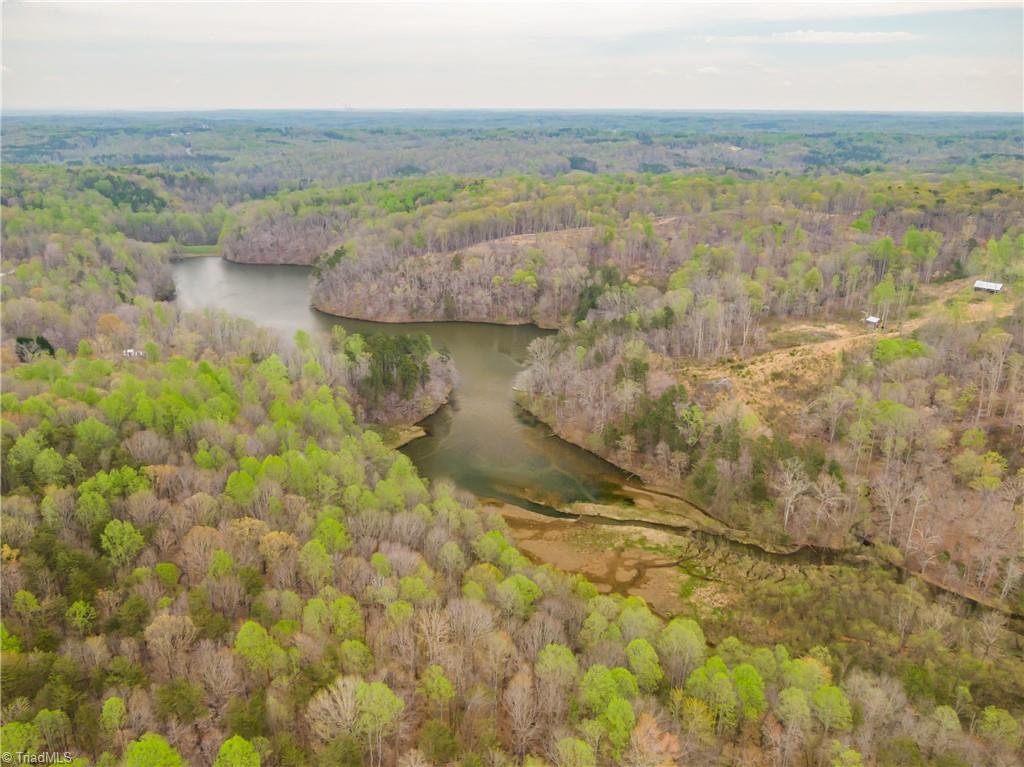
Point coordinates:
[[816, 37], [532, 55]]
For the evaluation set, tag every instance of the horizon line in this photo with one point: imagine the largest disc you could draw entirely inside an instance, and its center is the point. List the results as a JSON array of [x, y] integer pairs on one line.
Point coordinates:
[[61, 111]]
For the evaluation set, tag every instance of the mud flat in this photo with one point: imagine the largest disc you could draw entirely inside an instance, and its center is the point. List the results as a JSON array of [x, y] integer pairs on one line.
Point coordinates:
[[625, 559]]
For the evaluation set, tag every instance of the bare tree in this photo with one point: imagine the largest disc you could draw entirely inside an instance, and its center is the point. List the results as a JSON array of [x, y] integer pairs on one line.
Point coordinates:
[[989, 632], [651, 745], [197, 548], [833, 406], [521, 708], [434, 629], [892, 489], [333, 710], [169, 638], [829, 498], [791, 483], [216, 670]]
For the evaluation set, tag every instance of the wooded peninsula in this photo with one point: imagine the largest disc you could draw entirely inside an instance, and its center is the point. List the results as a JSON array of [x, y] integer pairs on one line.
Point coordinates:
[[793, 344]]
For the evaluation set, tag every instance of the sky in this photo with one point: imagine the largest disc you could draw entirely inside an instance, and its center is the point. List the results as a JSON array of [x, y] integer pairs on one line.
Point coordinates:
[[923, 56]]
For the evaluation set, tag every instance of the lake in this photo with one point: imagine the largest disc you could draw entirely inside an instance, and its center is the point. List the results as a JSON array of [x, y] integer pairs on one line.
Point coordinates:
[[481, 440]]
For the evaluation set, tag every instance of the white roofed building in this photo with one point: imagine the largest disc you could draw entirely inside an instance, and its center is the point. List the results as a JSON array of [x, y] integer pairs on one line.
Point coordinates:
[[989, 287]]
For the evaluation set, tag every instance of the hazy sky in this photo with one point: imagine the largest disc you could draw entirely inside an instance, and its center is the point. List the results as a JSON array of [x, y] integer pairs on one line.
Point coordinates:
[[210, 55]]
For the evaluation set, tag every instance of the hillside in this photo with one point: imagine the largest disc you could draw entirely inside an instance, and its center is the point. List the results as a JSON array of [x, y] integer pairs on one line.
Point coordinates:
[[210, 556]]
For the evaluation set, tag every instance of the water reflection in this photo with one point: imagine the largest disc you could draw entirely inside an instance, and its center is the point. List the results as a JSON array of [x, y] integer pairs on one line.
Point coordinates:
[[481, 440]]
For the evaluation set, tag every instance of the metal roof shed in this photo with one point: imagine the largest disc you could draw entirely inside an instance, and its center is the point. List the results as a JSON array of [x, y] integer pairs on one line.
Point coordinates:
[[991, 287]]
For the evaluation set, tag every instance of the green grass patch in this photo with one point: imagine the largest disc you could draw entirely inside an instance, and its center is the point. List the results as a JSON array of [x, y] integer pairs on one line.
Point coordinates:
[[687, 586]]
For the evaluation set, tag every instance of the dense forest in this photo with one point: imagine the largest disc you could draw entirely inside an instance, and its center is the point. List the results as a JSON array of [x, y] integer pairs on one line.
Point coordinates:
[[211, 556], [85, 264], [250, 155], [653, 275]]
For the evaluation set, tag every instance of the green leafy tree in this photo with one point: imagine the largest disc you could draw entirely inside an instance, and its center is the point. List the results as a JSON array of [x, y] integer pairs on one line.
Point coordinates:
[[883, 296], [947, 718], [380, 563], [21, 459], [355, 657], [997, 726], [516, 595], [618, 721], [864, 221], [315, 564], [20, 737], [597, 688], [80, 616], [347, 618], [806, 673], [169, 574], [151, 750], [414, 589], [240, 488], [490, 546], [333, 535], [255, 645], [438, 743], [721, 702], [794, 709], [48, 468], [832, 708], [378, 710], [54, 728], [236, 751], [845, 757], [91, 438], [114, 714], [450, 560], [572, 752], [750, 690], [556, 666], [180, 700], [92, 510], [121, 541], [643, 661], [8, 641], [435, 688], [26, 605], [682, 647], [923, 246]]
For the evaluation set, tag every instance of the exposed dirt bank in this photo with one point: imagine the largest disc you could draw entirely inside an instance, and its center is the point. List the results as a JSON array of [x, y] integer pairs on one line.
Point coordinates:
[[408, 319]]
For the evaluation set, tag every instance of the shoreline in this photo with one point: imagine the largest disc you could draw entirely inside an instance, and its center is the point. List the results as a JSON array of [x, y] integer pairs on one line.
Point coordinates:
[[396, 437], [721, 530], [699, 518], [654, 506], [345, 315]]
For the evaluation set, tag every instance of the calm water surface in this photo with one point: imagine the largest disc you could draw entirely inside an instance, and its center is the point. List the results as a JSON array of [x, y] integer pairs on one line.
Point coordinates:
[[481, 440]]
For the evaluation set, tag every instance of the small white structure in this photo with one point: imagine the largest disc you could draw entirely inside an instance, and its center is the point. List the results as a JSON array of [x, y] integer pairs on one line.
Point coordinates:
[[873, 321], [133, 353], [988, 287]]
